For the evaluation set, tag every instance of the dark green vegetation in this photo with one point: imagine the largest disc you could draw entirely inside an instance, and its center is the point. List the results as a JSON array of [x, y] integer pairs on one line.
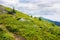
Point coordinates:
[[19, 26]]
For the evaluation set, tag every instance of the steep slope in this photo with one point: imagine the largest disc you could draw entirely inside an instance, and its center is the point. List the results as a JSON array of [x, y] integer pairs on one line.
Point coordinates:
[[19, 26]]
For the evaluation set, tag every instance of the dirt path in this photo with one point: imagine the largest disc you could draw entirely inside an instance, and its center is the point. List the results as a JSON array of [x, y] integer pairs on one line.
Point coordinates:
[[17, 37], [1, 25]]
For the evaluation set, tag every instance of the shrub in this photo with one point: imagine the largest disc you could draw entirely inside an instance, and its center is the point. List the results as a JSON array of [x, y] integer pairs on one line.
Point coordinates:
[[40, 19], [1, 29], [12, 29], [14, 10]]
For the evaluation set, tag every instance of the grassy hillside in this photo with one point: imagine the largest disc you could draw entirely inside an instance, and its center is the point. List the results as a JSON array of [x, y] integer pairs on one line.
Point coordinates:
[[19, 26]]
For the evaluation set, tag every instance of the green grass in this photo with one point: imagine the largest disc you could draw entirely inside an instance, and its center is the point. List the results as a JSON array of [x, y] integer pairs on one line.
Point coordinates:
[[30, 29]]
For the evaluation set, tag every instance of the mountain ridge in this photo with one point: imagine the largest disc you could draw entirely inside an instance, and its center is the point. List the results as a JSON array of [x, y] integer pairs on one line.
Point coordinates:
[[55, 22]]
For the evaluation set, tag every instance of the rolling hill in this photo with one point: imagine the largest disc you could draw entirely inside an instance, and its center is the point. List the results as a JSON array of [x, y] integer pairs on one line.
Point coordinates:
[[15, 25]]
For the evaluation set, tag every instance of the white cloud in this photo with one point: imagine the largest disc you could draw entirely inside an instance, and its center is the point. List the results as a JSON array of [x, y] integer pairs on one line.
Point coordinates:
[[9, 1], [16, 3], [29, 6], [37, 7], [51, 17]]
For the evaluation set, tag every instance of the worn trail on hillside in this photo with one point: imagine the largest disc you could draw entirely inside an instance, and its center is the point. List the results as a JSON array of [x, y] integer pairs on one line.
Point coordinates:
[[17, 37]]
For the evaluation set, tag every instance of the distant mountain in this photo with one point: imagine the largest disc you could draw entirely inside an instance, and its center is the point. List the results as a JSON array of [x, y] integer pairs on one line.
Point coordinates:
[[55, 22]]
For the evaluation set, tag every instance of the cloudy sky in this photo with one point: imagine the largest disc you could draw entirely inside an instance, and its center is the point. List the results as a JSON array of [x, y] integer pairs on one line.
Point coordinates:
[[49, 9]]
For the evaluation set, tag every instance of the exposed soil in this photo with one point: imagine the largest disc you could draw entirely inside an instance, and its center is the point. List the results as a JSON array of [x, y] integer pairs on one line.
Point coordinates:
[[17, 37]]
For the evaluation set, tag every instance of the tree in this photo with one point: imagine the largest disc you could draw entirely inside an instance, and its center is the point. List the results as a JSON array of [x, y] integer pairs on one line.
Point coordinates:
[[13, 10]]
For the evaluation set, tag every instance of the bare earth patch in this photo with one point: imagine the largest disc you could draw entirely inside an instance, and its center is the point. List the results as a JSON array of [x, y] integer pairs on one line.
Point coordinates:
[[17, 37]]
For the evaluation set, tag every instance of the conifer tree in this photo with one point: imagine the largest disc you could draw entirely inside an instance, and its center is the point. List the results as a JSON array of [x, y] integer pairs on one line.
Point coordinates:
[[14, 10]]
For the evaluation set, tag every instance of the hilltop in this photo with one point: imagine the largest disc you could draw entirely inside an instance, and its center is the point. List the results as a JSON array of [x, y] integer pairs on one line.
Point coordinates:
[[19, 26]]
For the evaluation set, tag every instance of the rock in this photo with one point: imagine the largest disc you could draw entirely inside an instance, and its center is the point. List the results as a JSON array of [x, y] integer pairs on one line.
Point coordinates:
[[2, 10], [21, 19]]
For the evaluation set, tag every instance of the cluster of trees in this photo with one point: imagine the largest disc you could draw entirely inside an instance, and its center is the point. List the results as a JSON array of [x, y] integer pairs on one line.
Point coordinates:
[[12, 12]]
